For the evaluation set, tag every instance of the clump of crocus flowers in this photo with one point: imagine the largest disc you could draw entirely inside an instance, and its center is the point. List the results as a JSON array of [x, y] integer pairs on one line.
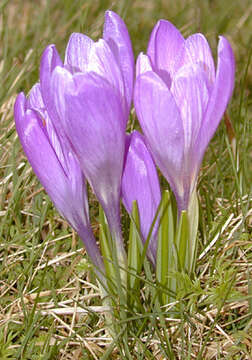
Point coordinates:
[[72, 126]]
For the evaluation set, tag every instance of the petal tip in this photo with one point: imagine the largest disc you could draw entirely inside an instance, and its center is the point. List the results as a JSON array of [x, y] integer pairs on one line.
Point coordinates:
[[19, 106], [225, 51], [109, 14], [49, 60], [49, 50], [224, 44]]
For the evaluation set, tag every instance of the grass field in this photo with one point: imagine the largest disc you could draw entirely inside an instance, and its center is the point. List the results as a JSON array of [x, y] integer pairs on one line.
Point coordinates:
[[49, 305]]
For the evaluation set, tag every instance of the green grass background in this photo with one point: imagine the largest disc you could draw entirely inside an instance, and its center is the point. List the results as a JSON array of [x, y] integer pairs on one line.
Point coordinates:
[[43, 273]]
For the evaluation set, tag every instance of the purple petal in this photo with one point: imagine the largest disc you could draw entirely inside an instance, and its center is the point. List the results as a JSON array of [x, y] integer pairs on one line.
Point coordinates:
[[190, 91], [95, 123], [103, 63], [62, 79], [220, 96], [101, 126], [140, 182], [49, 60], [152, 45], [160, 120], [40, 154], [55, 128], [165, 47], [35, 100], [67, 193], [143, 64], [60, 144], [77, 52], [197, 50], [116, 35], [20, 108]]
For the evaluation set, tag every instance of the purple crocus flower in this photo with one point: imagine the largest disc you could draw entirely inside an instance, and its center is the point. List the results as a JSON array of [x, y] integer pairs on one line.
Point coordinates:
[[88, 99], [56, 166], [140, 182], [180, 100]]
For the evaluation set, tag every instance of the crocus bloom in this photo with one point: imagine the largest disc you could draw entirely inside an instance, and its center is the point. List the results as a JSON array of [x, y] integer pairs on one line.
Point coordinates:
[[180, 100], [56, 166], [140, 182], [88, 99]]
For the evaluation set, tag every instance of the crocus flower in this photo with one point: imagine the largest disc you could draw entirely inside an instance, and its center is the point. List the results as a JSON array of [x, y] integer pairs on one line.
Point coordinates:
[[56, 166], [88, 99], [140, 182], [180, 99]]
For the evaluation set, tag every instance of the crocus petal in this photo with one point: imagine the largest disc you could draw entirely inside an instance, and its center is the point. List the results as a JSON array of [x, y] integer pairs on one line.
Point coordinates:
[[197, 50], [68, 194], [201, 96], [190, 91], [43, 158], [101, 127], [116, 35], [20, 108], [164, 48], [140, 182], [77, 52], [160, 120], [61, 80], [103, 63], [143, 64], [49, 60], [220, 95], [35, 102], [40, 154], [95, 123]]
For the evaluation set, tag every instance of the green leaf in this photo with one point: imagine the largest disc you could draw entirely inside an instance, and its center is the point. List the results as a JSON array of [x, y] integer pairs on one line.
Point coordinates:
[[182, 242], [134, 250], [165, 262], [105, 241], [193, 219]]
